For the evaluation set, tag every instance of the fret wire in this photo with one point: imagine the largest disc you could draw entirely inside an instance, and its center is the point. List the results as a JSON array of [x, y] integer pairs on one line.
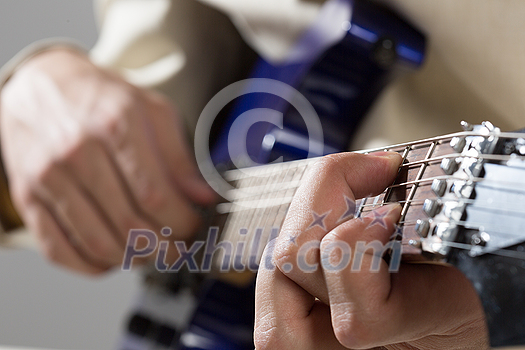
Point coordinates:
[[361, 206], [428, 179], [389, 188], [257, 216], [266, 215], [231, 226], [280, 211], [266, 199], [267, 170], [256, 190], [224, 208], [412, 192]]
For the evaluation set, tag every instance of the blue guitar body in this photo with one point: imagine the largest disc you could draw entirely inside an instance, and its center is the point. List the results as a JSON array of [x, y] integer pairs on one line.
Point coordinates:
[[340, 80]]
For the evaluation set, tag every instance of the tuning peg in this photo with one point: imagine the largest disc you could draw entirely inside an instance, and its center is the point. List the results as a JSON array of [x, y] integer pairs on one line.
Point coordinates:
[[449, 165], [458, 144], [439, 187], [431, 207], [422, 227]]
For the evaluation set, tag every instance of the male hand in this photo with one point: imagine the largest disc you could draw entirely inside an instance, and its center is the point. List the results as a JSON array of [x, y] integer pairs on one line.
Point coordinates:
[[89, 157], [420, 307]]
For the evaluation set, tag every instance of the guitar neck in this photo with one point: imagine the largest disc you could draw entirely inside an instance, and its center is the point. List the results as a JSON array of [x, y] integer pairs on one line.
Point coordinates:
[[263, 194], [462, 203]]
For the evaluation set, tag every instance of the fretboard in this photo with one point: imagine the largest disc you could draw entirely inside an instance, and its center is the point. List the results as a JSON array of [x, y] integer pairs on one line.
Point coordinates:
[[263, 194]]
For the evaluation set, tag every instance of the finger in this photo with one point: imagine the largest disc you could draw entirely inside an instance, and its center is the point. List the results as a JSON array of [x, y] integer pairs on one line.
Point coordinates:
[[321, 203], [85, 226], [366, 272], [372, 306], [94, 172], [174, 150], [53, 242], [287, 317]]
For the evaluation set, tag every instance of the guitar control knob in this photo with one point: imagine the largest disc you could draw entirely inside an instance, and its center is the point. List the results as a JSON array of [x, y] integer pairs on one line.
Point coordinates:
[[422, 227], [458, 144], [431, 207], [449, 165], [439, 186]]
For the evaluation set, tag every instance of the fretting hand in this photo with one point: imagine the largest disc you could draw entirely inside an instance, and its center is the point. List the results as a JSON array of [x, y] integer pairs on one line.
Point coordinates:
[[420, 307]]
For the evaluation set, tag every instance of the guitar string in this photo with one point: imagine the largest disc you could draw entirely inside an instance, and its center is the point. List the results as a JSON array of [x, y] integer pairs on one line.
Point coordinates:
[[452, 177], [501, 252], [277, 187], [236, 221], [253, 191], [421, 171], [497, 157], [425, 161], [267, 214], [242, 204], [466, 224], [507, 135]]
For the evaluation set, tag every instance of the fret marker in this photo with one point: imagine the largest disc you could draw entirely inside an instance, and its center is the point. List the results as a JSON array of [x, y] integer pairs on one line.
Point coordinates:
[[318, 220], [350, 212]]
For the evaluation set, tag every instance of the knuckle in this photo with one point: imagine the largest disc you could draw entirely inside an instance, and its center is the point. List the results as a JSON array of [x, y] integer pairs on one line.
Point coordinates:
[[284, 253], [114, 126], [113, 122], [325, 168], [150, 197], [330, 162], [334, 163]]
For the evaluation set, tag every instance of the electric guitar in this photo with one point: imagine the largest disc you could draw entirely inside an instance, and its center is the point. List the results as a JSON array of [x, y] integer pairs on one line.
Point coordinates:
[[308, 105], [460, 193]]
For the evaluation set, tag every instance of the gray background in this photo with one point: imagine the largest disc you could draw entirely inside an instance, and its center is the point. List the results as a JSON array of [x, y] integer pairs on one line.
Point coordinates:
[[42, 305]]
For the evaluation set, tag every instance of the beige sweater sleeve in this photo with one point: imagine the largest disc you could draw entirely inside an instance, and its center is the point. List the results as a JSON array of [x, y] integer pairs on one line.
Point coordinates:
[[185, 49]]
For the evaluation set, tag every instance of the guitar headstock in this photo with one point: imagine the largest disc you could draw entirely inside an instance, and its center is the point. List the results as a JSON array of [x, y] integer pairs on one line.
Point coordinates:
[[476, 222]]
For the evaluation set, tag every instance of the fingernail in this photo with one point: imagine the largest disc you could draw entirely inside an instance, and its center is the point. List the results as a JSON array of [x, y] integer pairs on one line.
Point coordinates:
[[384, 154]]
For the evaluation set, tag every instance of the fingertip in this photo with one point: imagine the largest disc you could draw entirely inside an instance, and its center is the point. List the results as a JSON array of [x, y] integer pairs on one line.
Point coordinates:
[[394, 157]]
